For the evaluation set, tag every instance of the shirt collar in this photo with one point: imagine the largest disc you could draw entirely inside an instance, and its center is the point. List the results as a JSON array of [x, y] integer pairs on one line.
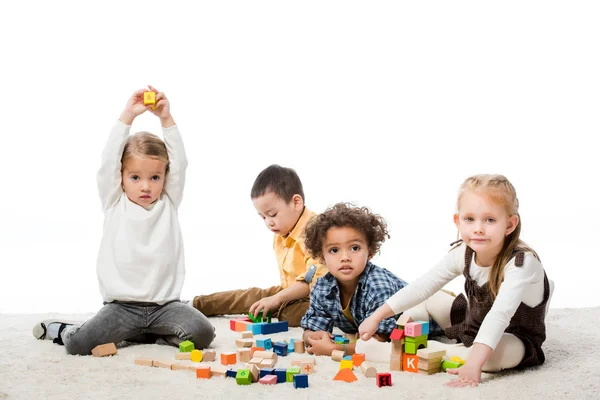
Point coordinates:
[[298, 229]]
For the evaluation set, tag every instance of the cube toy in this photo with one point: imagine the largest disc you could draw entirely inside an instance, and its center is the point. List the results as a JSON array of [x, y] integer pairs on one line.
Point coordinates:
[[341, 340], [196, 356], [253, 349], [228, 358], [410, 363], [243, 377], [256, 329], [267, 363], [264, 343], [104, 350], [281, 374], [345, 375], [217, 370], [346, 364], [290, 347], [203, 372], [412, 329], [384, 379], [247, 335], [307, 368], [209, 355], [231, 373], [280, 349], [161, 364], [396, 362], [397, 334], [149, 98], [266, 371], [244, 343], [186, 347], [274, 327], [300, 381], [253, 371], [430, 353], [289, 374], [244, 354], [268, 380], [358, 359], [424, 327]]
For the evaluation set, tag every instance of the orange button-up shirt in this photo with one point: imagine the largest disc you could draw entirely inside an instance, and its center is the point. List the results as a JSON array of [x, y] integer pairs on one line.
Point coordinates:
[[293, 260]]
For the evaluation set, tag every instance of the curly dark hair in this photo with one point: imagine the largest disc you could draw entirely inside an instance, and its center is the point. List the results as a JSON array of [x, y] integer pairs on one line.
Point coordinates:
[[362, 219]]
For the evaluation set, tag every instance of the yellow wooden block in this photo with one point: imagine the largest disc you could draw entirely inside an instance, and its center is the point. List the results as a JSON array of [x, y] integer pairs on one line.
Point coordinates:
[[458, 360], [149, 98], [196, 356], [346, 364]]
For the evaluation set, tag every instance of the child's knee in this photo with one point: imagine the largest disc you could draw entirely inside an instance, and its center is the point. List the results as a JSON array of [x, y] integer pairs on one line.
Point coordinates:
[[77, 347], [201, 333]]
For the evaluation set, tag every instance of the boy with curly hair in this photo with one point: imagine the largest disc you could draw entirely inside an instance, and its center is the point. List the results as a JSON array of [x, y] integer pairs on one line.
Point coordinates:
[[345, 238]]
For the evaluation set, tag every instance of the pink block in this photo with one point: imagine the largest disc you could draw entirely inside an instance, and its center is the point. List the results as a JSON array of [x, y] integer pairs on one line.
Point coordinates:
[[412, 329], [268, 380]]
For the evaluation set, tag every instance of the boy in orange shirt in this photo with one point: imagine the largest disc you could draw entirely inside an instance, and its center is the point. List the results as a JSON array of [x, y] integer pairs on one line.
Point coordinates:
[[278, 197]]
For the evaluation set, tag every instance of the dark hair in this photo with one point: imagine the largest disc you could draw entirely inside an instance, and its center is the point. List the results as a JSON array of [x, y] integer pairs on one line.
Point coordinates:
[[362, 219], [284, 182]]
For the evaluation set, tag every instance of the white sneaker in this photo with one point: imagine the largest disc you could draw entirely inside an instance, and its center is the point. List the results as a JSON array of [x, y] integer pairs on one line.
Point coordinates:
[[41, 329]]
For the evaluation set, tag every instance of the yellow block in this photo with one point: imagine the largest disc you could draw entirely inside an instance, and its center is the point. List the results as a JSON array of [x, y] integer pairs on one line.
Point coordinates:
[[346, 364], [458, 360], [196, 356], [149, 98]]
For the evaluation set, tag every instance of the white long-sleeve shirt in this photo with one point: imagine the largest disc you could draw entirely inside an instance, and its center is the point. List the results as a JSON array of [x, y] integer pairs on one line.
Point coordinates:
[[521, 284], [141, 254]]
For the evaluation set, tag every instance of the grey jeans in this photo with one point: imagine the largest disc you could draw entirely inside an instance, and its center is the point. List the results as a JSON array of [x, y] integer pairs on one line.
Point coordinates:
[[170, 324]]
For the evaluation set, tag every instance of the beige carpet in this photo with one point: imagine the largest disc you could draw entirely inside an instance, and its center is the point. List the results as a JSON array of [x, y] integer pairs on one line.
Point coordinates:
[[31, 369]]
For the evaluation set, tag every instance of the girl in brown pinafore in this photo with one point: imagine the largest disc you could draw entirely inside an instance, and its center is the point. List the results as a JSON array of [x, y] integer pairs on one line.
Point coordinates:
[[500, 323]]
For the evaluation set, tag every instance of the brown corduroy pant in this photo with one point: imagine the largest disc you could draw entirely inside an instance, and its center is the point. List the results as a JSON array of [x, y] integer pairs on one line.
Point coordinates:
[[239, 302]]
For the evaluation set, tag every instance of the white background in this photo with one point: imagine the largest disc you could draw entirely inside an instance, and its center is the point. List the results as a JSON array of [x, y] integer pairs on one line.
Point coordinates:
[[387, 104]]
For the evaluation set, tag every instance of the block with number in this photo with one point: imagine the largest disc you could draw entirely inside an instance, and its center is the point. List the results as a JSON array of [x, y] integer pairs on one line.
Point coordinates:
[[384, 379]]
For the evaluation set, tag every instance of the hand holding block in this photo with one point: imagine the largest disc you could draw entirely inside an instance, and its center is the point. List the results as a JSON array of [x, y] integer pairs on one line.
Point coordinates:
[[149, 98]]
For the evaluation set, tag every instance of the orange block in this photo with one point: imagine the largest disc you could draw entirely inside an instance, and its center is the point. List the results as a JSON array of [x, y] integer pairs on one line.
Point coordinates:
[[228, 358], [358, 359], [345, 375], [203, 372], [240, 326], [410, 363]]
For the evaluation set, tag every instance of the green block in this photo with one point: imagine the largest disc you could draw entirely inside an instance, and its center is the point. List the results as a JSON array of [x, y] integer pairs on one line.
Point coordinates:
[[415, 339], [258, 318], [186, 347], [450, 364], [410, 348], [243, 377], [289, 374]]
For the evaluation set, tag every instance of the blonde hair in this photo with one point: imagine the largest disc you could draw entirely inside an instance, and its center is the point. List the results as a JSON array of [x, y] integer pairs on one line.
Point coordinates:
[[500, 191], [146, 144]]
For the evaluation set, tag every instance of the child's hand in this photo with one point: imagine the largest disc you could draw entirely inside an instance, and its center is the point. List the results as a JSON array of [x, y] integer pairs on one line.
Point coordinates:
[[368, 328], [319, 343], [265, 305], [162, 108], [468, 375], [134, 107]]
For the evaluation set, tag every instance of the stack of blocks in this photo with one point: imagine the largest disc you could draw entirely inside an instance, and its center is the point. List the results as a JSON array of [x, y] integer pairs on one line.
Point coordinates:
[[430, 362], [257, 328], [407, 339]]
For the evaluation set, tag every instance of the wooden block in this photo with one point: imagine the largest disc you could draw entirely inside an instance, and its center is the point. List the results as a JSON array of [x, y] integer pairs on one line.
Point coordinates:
[[384, 379], [398, 347], [244, 354], [240, 326], [430, 371], [104, 350], [268, 380], [203, 371], [149, 98], [410, 362], [426, 365], [337, 355], [412, 329], [196, 355], [397, 334], [243, 377], [244, 343], [228, 358], [299, 361], [358, 359], [307, 368], [217, 370], [450, 364], [345, 375], [256, 360], [255, 348], [346, 364], [182, 356], [254, 371], [247, 335], [179, 366], [266, 363], [186, 346], [403, 320], [368, 369], [299, 346], [265, 354], [289, 375], [430, 353], [161, 364], [147, 362], [395, 362], [209, 355]]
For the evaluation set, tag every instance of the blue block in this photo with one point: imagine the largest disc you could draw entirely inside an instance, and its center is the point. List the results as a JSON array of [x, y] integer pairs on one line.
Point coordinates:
[[300, 381], [291, 346], [274, 327], [280, 349], [266, 344], [341, 340], [349, 358], [424, 328], [266, 371], [281, 374], [231, 373], [256, 329]]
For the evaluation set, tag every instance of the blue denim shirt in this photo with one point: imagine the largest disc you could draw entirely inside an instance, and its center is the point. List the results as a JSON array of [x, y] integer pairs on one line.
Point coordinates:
[[374, 287]]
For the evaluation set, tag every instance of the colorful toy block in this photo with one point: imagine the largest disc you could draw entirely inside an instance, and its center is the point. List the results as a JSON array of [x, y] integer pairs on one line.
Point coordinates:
[[149, 98], [256, 329], [104, 350], [280, 349], [424, 327], [413, 344], [410, 363], [368, 369], [244, 343], [384, 379], [397, 334], [345, 375], [300, 381], [243, 377], [307, 368], [231, 373], [290, 347], [281, 374], [457, 359], [244, 355], [450, 364], [266, 344], [209, 355], [274, 327], [196, 355], [358, 359], [255, 360], [289, 374], [346, 363], [228, 358], [186, 347], [341, 340], [337, 355], [253, 371], [299, 346], [266, 371], [268, 380], [412, 329], [403, 320], [203, 371]]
